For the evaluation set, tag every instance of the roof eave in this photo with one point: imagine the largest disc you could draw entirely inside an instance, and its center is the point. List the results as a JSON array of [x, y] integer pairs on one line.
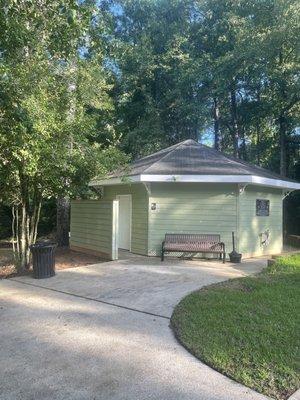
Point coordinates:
[[115, 181], [240, 179]]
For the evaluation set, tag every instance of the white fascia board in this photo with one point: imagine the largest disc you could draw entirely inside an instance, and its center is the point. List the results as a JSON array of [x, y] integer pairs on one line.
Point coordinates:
[[276, 183], [115, 181], [242, 179]]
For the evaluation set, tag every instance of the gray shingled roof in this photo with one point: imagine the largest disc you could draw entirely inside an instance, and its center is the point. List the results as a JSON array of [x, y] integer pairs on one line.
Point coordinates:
[[192, 158]]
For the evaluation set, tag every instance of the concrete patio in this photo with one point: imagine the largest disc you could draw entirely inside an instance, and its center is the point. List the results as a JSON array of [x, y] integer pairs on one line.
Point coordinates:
[[102, 332]]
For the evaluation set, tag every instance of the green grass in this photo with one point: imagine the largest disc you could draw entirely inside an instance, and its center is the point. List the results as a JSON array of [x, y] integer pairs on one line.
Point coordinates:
[[248, 328]]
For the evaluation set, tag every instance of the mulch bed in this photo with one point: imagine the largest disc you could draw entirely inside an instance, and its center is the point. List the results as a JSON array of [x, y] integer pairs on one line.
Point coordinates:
[[64, 258]]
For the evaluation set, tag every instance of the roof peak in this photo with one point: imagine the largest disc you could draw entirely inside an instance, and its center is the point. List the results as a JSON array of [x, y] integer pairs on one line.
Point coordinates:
[[189, 141], [169, 149]]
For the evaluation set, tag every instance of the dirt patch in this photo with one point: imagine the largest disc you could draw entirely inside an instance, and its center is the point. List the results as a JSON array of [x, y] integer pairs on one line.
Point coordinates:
[[64, 258]]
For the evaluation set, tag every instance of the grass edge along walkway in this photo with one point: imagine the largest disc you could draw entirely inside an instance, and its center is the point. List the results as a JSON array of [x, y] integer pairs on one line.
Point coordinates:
[[247, 328]]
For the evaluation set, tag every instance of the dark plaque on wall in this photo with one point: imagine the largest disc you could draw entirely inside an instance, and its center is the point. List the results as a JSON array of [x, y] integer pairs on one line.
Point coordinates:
[[262, 207]]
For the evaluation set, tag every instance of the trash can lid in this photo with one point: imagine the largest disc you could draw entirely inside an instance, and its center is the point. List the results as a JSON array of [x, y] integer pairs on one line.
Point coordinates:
[[42, 245]]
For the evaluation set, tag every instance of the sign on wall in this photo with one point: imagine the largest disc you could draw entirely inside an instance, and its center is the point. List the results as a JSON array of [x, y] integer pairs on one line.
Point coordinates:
[[262, 207]]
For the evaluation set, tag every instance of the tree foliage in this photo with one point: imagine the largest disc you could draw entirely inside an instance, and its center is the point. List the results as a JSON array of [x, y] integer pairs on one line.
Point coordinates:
[[51, 98], [192, 68]]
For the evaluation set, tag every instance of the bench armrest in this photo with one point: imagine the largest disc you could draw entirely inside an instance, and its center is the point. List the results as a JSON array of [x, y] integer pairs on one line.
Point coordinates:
[[222, 244]]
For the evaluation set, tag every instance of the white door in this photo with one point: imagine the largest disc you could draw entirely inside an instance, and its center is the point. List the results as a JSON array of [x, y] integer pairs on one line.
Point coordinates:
[[124, 237]]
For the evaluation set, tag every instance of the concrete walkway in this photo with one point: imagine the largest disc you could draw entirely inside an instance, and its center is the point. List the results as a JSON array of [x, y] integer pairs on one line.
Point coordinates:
[[102, 332]]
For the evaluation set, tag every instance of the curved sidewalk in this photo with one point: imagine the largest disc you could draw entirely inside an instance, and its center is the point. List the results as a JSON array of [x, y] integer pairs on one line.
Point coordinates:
[[102, 332]]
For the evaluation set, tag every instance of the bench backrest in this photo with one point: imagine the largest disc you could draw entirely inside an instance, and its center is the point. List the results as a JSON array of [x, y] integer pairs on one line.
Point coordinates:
[[189, 238]]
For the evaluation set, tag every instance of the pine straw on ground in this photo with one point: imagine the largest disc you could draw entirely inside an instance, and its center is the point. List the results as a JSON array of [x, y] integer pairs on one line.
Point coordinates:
[[64, 258]]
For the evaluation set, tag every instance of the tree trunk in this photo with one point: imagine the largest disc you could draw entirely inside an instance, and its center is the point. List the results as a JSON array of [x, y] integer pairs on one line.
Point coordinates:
[[258, 150], [235, 128], [24, 228], [24, 262], [282, 122], [26, 215], [63, 221], [216, 112], [243, 148], [282, 143], [63, 203]]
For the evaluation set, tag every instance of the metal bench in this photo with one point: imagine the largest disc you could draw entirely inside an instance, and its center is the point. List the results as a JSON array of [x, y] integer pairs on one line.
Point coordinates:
[[193, 243]]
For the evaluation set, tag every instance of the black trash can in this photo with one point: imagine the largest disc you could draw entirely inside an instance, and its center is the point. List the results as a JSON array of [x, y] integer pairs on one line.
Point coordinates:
[[235, 257], [43, 259]]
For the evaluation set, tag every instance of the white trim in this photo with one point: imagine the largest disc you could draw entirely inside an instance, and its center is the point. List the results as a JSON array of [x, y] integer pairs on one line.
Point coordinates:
[[147, 186], [130, 216], [286, 193], [115, 230], [244, 179], [250, 179], [115, 181], [242, 187]]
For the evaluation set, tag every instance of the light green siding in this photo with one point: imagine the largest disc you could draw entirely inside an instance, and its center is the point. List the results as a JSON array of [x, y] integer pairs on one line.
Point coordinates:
[[92, 227], [180, 208], [251, 226], [139, 223], [191, 208]]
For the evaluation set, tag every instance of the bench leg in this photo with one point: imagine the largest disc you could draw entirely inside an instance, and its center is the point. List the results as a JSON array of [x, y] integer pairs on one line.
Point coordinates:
[[162, 254], [224, 257]]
